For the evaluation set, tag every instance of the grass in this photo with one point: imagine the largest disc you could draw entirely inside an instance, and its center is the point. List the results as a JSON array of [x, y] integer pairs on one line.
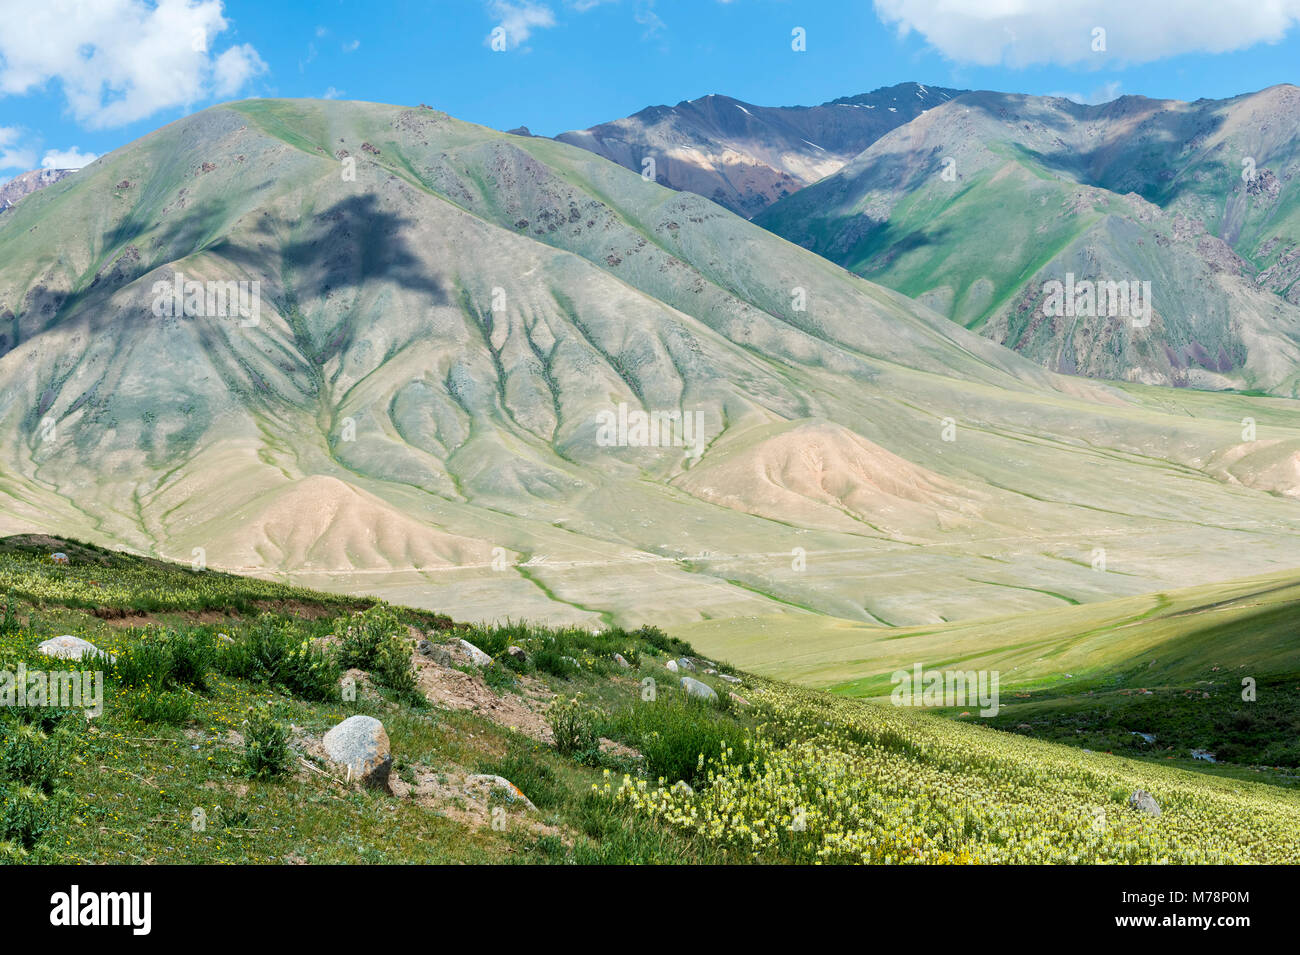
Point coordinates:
[[798, 776]]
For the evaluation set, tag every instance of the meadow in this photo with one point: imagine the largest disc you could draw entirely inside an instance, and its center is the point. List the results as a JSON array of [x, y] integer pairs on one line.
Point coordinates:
[[203, 750]]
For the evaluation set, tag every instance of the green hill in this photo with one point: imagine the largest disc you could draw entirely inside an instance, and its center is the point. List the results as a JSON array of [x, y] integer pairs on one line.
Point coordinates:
[[208, 672]]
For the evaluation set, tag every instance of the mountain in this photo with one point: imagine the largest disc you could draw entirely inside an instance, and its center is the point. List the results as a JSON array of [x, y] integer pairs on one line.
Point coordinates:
[[745, 157], [27, 183], [978, 205], [433, 389]]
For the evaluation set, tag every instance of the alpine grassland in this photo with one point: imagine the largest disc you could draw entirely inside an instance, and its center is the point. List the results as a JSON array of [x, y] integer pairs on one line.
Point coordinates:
[[207, 749]]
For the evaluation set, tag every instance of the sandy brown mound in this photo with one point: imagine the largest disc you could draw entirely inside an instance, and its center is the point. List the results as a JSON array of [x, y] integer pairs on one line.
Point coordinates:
[[1265, 465], [822, 474], [322, 523]]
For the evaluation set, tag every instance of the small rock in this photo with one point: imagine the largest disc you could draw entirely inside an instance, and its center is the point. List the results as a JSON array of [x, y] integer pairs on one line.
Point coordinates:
[[482, 785], [68, 647], [739, 699], [1143, 801], [710, 671], [685, 663], [1146, 737], [59, 557], [701, 691], [518, 653], [728, 678], [225, 639], [622, 661], [476, 656], [360, 744], [671, 666], [1204, 754], [435, 652]]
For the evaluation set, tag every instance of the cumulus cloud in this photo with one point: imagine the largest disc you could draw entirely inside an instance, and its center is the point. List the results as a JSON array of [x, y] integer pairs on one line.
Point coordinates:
[[117, 61], [12, 156], [1027, 32], [72, 158], [1102, 94], [519, 20]]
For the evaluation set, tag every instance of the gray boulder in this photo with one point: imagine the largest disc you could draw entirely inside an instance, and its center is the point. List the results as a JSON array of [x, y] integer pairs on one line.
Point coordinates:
[[68, 647], [435, 652], [1143, 801], [360, 745], [476, 656], [483, 785], [685, 663], [701, 691], [622, 661]]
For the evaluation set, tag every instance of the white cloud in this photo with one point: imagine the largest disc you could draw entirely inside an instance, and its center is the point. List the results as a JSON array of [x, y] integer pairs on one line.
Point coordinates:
[[646, 16], [118, 61], [332, 93], [520, 19], [72, 158], [234, 68], [351, 46], [1102, 94], [1025, 32], [12, 156]]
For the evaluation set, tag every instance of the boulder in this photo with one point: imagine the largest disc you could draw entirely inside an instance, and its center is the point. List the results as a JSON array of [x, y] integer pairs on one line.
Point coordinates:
[[671, 666], [482, 785], [68, 647], [622, 661], [701, 691], [360, 744], [435, 652], [685, 663], [476, 656], [1143, 801]]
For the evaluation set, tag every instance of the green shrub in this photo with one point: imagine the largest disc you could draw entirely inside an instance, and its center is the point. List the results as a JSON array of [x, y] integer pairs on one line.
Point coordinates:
[[376, 641], [553, 658], [152, 705], [574, 725], [279, 653], [266, 745], [367, 632], [9, 622], [661, 641], [499, 678], [26, 815], [33, 748], [191, 654], [145, 663], [678, 738]]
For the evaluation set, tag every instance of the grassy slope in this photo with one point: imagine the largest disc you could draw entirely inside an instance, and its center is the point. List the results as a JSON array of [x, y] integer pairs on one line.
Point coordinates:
[[872, 783], [1169, 664]]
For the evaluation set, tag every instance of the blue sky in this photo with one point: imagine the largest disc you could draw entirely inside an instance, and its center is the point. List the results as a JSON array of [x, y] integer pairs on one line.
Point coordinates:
[[78, 84]]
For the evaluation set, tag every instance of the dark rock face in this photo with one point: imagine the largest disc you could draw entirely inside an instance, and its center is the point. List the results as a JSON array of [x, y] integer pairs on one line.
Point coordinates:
[[746, 157]]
